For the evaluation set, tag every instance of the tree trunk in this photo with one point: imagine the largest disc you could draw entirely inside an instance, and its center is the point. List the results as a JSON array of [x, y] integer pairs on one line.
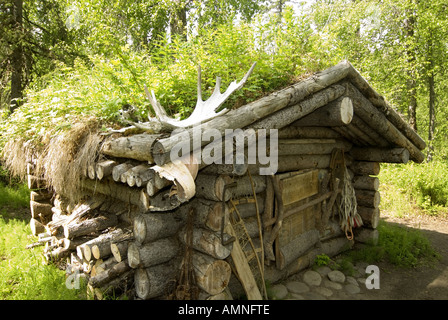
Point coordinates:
[[208, 242], [104, 168], [137, 197], [366, 183], [212, 275], [337, 113], [395, 155], [105, 277], [367, 112], [152, 282], [136, 147], [310, 146], [246, 115], [432, 114], [17, 58], [85, 227], [153, 253], [365, 168], [152, 226], [367, 198], [370, 216]]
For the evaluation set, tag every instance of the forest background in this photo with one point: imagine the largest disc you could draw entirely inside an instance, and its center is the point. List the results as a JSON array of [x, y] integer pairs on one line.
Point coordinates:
[[62, 62]]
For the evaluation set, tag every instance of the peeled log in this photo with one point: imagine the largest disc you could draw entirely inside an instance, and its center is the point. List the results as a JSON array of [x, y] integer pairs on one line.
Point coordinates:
[[152, 282], [104, 168], [212, 275], [395, 155], [88, 226], [136, 147], [150, 254], [337, 113], [152, 226], [367, 198]]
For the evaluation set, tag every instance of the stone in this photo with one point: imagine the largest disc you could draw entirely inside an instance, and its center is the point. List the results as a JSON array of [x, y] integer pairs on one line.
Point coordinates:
[[336, 276], [351, 280], [312, 278], [297, 287], [323, 271], [313, 296], [295, 296], [278, 292], [352, 289], [332, 285], [323, 291]]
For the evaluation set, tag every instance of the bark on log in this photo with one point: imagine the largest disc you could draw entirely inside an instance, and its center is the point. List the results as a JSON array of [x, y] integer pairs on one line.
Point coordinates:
[[370, 216], [366, 183], [139, 175], [365, 168], [293, 132], [250, 113], [381, 104], [152, 226], [367, 198], [136, 147], [71, 244], [105, 277], [337, 113], [367, 235], [209, 242], [311, 146], [118, 170], [370, 132], [395, 155], [222, 188], [107, 187], [366, 111], [212, 275], [88, 226], [246, 206], [155, 281], [153, 253], [115, 287]]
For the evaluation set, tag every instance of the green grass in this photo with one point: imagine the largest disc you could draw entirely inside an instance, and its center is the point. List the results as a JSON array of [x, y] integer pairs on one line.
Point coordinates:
[[23, 273], [398, 245]]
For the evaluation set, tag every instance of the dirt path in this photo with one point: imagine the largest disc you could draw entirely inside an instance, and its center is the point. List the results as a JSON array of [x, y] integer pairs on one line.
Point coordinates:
[[422, 283]]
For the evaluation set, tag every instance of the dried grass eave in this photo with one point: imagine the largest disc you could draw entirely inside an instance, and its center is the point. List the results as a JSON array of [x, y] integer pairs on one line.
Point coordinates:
[[61, 162]]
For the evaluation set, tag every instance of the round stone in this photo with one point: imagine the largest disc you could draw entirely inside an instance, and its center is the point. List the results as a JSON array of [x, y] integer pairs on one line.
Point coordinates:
[[336, 276], [352, 280], [323, 291], [278, 292], [323, 271], [297, 287], [352, 289], [312, 278], [332, 285], [313, 296]]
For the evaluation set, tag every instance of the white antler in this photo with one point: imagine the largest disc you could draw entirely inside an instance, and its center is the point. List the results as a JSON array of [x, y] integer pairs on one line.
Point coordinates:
[[204, 110]]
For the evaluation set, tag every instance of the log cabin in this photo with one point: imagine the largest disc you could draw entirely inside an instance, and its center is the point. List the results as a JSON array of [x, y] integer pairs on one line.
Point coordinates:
[[153, 224]]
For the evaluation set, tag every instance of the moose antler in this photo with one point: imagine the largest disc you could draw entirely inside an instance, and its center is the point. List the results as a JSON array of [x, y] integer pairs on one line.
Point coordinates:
[[204, 110]]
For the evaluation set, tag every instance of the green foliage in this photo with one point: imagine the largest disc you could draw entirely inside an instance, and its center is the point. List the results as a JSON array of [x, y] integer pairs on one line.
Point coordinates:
[[99, 88], [424, 184], [401, 246], [322, 260]]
